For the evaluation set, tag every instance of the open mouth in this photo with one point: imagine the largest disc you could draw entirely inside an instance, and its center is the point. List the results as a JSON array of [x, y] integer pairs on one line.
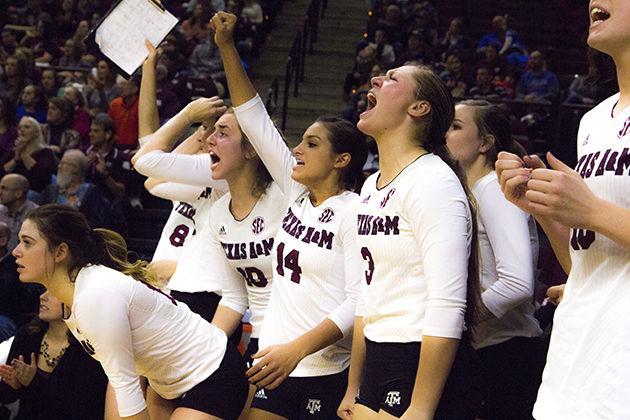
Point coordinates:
[[599, 15], [299, 162], [371, 100], [214, 159]]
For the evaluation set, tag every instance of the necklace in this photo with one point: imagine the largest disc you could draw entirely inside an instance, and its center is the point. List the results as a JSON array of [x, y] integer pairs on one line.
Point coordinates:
[[52, 362]]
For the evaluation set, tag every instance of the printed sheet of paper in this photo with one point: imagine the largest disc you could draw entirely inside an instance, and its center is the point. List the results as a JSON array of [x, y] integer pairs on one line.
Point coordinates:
[[122, 33]]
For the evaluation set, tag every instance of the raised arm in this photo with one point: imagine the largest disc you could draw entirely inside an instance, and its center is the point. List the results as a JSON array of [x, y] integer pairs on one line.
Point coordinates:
[[148, 116], [249, 109], [197, 111]]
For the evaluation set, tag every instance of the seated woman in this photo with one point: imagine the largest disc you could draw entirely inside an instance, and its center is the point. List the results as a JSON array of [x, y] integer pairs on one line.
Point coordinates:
[[49, 372], [31, 157]]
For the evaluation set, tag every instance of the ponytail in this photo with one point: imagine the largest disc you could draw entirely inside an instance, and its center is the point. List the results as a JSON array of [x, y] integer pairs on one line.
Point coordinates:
[[59, 224], [432, 137]]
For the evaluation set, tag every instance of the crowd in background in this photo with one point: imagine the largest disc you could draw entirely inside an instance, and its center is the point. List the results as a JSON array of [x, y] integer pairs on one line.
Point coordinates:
[[69, 122]]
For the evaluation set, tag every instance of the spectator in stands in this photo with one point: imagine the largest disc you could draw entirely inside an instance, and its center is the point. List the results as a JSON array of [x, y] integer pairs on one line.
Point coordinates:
[[31, 157], [494, 61], [49, 372], [72, 53], [167, 101], [42, 40], [80, 116], [104, 88], [205, 62], [32, 103], [81, 31], [538, 84], [175, 64], [66, 20], [124, 112], [9, 285], [501, 35], [196, 27], [582, 91], [58, 132], [394, 24], [455, 41], [252, 12], [14, 78], [483, 88], [18, 301], [8, 126], [14, 204], [455, 77], [8, 44], [385, 53], [109, 166], [417, 50], [70, 187], [50, 83], [422, 18]]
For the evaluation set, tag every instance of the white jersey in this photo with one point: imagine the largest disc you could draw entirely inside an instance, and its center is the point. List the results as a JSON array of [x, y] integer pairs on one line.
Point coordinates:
[[415, 236], [316, 263], [587, 375], [195, 270], [245, 247], [179, 227], [508, 253], [134, 330]]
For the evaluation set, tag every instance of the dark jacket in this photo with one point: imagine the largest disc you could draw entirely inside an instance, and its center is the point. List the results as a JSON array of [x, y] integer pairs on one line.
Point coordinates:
[[74, 390]]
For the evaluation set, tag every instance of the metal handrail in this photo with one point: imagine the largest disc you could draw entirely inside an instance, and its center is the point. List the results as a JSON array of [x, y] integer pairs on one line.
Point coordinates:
[[302, 43]]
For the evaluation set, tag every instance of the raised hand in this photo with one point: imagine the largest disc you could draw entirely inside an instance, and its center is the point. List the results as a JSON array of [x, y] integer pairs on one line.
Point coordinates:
[[223, 25], [25, 372], [203, 109], [154, 54]]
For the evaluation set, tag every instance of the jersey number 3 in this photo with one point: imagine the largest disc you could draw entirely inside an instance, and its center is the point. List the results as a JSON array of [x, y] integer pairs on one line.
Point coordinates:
[[289, 261]]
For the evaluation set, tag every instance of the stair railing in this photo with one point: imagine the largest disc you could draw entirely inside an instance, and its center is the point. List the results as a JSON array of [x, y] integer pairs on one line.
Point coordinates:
[[302, 43]]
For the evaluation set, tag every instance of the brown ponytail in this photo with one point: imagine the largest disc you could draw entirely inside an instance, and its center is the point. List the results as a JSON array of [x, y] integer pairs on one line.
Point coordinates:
[[432, 136], [59, 224]]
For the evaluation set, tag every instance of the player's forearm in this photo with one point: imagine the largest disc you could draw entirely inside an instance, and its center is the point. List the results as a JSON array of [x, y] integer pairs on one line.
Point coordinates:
[[323, 335], [436, 359], [148, 116], [357, 358], [241, 88], [558, 235], [166, 136], [227, 319]]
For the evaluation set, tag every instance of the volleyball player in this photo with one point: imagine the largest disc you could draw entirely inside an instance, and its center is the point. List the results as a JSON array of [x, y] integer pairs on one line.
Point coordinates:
[[180, 225], [129, 326], [301, 367], [586, 215], [506, 336], [416, 237], [194, 281]]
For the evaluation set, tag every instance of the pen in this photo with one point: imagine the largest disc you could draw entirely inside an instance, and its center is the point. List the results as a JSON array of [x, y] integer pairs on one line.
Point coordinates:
[[158, 4]]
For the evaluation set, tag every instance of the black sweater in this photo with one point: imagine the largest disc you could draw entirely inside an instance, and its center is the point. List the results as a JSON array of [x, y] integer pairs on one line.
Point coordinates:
[[74, 390]]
